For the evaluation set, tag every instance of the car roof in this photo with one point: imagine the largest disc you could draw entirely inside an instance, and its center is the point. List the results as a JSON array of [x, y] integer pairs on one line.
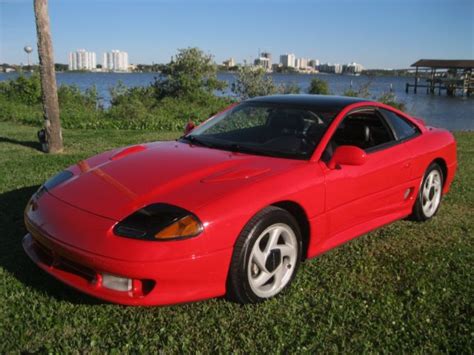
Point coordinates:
[[320, 102]]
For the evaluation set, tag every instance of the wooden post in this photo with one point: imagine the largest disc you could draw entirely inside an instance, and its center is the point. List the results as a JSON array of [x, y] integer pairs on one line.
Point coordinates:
[[416, 80], [432, 84], [52, 123]]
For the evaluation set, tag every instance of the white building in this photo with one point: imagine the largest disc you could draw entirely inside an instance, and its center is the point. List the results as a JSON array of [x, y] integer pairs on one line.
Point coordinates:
[[301, 63], [354, 68], [337, 68], [288, 60], [314, 63], [82, 60], [331, 68], [229, 63], [115, 60], [263, 62]]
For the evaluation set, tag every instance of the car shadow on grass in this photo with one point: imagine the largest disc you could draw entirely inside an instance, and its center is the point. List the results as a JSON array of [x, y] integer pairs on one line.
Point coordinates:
[[13, 258]]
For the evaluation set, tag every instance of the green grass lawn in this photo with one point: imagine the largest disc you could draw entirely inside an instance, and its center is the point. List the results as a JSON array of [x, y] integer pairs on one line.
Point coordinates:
[[406, 287]]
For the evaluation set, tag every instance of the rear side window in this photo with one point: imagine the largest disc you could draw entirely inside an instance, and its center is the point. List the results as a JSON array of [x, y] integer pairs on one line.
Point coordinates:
[[403, 129]]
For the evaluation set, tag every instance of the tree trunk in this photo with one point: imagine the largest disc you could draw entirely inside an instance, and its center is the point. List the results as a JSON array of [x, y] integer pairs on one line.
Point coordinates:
[[52, 124]]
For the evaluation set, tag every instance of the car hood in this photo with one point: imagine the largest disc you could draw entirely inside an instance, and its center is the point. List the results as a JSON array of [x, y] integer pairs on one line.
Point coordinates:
[[119, 182]]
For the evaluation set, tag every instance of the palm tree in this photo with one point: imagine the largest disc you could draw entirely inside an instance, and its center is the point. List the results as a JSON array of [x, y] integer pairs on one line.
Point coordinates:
[[52, 123]]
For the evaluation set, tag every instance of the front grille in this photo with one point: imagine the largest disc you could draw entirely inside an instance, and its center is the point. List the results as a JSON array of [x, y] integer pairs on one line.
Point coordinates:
[[54, 260]]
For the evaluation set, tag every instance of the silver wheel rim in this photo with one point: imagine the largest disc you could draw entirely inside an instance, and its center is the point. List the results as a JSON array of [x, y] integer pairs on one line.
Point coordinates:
[[272, 260], [431, 193]]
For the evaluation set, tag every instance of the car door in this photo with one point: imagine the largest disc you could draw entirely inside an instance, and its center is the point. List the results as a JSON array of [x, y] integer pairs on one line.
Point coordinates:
[[366, 195]]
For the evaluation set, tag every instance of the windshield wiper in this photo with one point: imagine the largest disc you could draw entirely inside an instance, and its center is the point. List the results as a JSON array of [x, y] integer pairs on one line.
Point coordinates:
[[234, 147], [194, 140]]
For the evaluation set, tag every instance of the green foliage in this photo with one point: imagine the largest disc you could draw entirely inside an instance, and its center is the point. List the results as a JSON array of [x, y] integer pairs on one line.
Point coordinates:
[[252, 82], [350, 93], [290, 88], [318, 87], [405, 288], [18, 112], [24, 89], [71, 95], [389, 98], [131, 108], [362, 91], [191, 73], [60, 67]]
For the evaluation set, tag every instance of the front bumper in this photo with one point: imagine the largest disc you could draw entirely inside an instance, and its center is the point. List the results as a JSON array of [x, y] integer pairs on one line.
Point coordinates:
[[154, 283]]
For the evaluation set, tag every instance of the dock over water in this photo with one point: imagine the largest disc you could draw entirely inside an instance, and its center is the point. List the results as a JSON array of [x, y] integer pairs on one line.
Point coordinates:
[[455, 77]]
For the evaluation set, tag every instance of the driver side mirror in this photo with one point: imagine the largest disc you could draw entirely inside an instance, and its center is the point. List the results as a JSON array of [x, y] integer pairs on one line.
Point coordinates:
[[347, 155], [189, 127]]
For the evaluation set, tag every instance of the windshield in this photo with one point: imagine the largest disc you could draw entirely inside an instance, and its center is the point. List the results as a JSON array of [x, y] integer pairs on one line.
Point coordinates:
[[265, 129]]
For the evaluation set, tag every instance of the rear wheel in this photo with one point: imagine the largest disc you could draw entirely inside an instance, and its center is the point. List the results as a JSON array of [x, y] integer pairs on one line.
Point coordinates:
[[429, 196], [266, 256]]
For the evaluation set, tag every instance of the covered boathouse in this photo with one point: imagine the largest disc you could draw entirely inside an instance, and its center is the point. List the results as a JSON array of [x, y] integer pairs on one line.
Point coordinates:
[[456, 77]]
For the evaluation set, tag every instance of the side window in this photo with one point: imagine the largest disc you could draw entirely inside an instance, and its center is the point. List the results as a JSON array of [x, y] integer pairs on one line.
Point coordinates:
[[403, 128], [365, 130]]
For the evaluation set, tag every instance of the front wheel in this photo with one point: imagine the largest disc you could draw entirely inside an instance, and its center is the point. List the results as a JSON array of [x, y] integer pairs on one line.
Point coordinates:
[[266, 256], [429, 196]]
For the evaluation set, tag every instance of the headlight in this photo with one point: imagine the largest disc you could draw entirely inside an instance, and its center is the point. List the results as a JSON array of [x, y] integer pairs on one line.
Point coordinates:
[[159, 222]]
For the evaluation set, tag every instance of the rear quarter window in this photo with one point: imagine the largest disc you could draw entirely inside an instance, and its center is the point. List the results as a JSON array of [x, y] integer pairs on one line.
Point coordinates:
[[402, 128]]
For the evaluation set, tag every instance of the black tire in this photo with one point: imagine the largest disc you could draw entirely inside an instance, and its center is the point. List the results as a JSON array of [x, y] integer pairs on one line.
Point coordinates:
[[418, 213], [239, 288]]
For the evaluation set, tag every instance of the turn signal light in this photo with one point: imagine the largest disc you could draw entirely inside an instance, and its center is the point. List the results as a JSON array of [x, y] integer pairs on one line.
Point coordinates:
[[185, 227]]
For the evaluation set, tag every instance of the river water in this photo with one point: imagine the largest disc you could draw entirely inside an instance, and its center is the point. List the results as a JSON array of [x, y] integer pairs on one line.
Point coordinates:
[[453, 113]]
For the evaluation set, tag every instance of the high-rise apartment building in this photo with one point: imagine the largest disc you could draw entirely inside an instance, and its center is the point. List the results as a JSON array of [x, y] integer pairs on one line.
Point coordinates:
[[301, 63], [314, 63], [288, 60], [115, 60], [82, 60], [354, 68]]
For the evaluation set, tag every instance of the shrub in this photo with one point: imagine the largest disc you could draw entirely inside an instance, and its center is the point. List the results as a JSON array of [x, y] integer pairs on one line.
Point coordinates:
[[350, 93], [290, 88], [191, 73], [23, 89], [252, 82], [318, 87], [390, 99]]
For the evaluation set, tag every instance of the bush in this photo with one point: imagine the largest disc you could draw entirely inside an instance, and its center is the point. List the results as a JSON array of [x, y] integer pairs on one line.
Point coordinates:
[[387, 98], [19, 112], [290, 88], [350, 93], [131, 108], [390, 99], [252, 82], [191, 73], [24, 89], [318, 87]]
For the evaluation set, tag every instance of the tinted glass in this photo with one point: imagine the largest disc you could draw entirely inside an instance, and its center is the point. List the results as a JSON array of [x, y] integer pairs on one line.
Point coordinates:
[[365, 130], [403, 128], [265, 129]]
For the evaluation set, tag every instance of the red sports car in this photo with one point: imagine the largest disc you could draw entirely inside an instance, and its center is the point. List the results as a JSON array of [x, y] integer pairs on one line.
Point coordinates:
[[233, 206]]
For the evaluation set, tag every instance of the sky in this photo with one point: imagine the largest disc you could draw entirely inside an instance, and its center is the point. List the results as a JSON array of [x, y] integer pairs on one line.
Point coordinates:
[[375, 33]]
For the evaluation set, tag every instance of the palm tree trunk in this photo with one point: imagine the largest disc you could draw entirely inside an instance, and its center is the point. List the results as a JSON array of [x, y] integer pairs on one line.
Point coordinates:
[[52, 123]]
